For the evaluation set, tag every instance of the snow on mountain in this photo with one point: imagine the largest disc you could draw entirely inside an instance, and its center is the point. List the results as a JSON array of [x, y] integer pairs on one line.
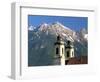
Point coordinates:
[[61, 25], [31, 28], [57, 28], [86, 36], [83, 34], [43, 27]]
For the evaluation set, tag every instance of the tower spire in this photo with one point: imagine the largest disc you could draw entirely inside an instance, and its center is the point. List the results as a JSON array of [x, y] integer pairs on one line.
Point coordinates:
[[69, 49]]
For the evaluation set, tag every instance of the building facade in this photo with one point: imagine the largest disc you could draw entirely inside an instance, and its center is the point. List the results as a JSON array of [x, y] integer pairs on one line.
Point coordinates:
[[63, 53]]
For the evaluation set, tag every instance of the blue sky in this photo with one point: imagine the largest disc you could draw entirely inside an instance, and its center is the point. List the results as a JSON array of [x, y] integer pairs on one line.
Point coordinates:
[[75, 23]]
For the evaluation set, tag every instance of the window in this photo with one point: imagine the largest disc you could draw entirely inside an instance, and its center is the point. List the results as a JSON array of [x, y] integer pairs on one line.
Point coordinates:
[[67, 53], [62, 50], [57, 51], [72, 54]]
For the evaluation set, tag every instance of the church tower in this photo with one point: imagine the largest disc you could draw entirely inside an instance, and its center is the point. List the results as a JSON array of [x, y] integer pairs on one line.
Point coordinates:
[[69, 49], [60, 50]]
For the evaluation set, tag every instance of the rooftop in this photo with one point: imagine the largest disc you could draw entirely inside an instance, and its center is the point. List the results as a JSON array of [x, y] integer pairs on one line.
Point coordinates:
[[76, 60]]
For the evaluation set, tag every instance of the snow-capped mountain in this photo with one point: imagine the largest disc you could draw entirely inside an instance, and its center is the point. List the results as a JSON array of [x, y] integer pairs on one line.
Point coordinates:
[[55, 27], [58, 29], [41, 41]]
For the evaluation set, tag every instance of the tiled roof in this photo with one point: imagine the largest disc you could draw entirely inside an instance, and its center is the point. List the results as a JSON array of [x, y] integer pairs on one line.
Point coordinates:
[[76, 60]]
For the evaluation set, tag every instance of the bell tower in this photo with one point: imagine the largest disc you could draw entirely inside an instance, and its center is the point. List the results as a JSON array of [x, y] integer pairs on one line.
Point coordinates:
[[60, 50], [69, 50]]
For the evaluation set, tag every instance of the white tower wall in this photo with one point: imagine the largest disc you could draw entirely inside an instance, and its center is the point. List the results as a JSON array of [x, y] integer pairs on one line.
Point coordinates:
[[71, 53], [61, 53]]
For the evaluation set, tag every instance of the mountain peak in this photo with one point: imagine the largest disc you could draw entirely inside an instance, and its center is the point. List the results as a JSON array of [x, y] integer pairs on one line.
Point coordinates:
[[44, 24], [31, 28], [55, 28], [57, 22]]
